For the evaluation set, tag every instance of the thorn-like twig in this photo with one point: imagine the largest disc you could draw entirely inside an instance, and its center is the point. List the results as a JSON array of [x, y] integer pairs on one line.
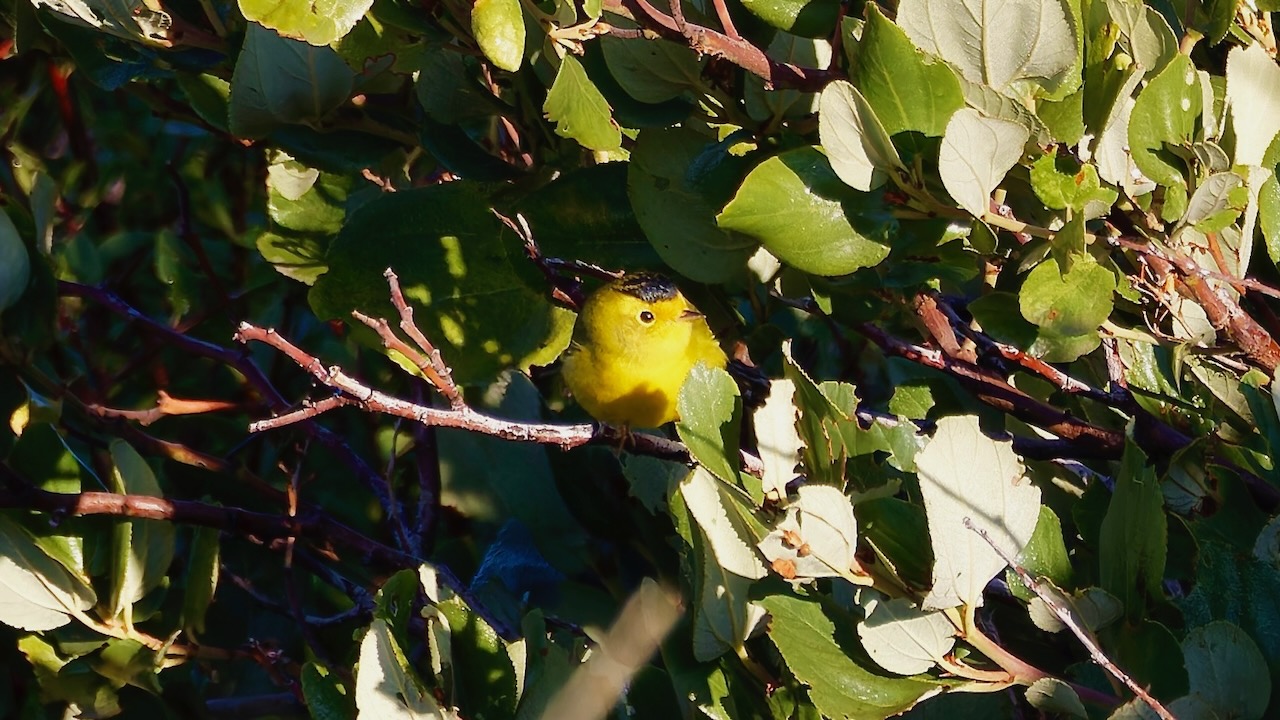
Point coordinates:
[[1069, 618]]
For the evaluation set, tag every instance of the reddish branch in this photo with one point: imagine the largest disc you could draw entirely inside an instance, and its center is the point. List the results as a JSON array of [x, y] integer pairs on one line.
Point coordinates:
[[717, 44], [1224, 313]]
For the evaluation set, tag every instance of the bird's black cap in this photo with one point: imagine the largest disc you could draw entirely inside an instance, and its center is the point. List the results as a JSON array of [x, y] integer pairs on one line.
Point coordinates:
[[649, 287]]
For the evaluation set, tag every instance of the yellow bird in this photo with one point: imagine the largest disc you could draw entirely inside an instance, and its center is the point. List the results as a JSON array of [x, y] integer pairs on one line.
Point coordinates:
[[634, 344]]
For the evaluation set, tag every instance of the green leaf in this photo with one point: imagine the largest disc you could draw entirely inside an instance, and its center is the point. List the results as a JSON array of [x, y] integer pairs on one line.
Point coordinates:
[[796, 206], [907, 90], [498, 26], [1163, 120], [1252, 77], [202, 578], [724, 617], [142, 549], [898, 532], [674, 181], [1227, 671], [1133, 539], [280, 82], [479, 299], [839, 685], [296, 256], [1061, 183], [976, 153], [765, 104], [578, 109], [1071, 303], [710, 420], [15, 266], [806, 18], [1233, 586], [817, 538], [819, 427], [1053, 696], [316, 23], [36, 592], [965, 474], [904, 639], [856, 144], [1036, 40], [585, 215], [725, 519], [652, 71], [324, 694], [1045, 556], [386, 685], [305, 200], [209, 96], [481, 665]]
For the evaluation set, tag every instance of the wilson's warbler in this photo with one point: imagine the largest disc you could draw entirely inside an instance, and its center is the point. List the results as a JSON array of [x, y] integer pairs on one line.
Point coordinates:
[[634, 344]]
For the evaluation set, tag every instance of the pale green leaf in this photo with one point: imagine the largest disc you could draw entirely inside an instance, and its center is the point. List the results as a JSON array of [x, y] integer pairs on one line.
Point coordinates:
[[1071, 303], [1053, 696], [904, 639], [1227, 671], [142, 549], [819, 652], [817, 538], [36, 592], [720, 518], [976, 153], [710, 418], [856, 144], [778, 440], [995, 43], [1252, 82], [318, 22], [387, 688], [965, 474], [1164, 117]]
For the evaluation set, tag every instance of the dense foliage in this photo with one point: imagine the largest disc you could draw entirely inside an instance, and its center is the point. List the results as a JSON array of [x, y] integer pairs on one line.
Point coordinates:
[[1011, 268]]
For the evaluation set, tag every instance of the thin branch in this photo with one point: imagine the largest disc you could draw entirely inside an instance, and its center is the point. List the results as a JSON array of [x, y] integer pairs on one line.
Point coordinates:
[[464, 418], [1068, 618], [253, 375], [736, 50], [166, 405]]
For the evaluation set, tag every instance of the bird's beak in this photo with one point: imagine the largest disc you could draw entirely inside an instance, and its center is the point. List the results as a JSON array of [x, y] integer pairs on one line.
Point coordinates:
[[690, 314]]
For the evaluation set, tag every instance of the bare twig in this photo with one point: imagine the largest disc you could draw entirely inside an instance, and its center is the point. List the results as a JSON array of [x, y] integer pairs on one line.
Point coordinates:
[[565, 437], [253, 375], [1069, 618]]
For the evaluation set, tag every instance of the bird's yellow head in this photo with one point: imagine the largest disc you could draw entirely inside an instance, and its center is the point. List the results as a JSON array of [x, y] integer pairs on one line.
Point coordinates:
[[639, 312], [636, 340]]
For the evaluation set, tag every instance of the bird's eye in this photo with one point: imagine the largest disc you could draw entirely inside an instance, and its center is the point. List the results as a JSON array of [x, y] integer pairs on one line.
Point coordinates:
[[646, 317]]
